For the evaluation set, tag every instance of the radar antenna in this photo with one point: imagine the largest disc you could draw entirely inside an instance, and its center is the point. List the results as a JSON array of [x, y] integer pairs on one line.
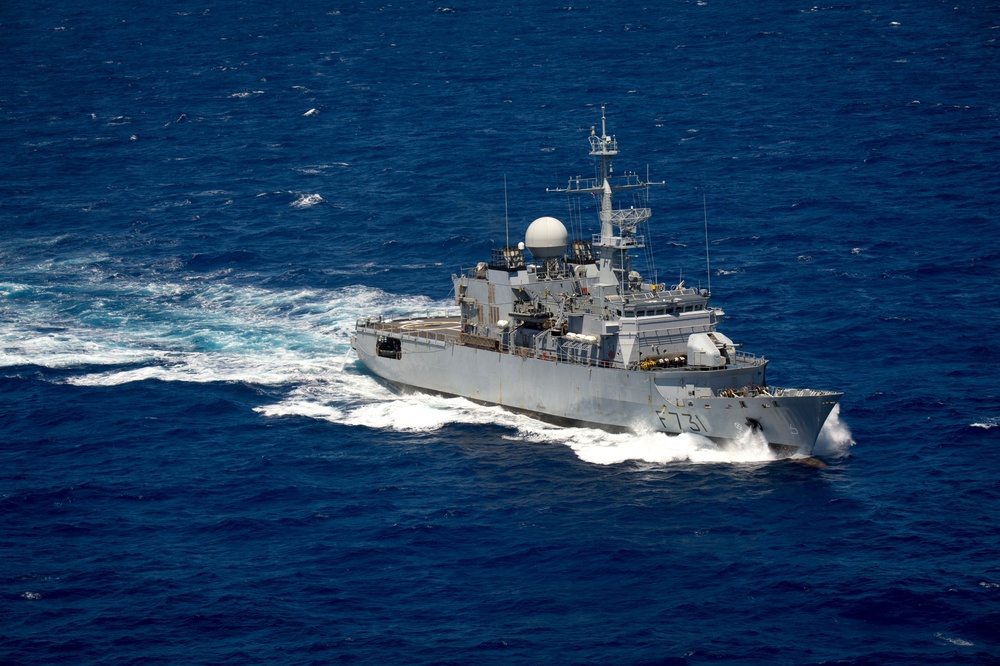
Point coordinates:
[[618, 225]]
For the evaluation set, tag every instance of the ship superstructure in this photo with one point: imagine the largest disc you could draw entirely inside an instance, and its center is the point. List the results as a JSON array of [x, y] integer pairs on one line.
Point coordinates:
[[577, 335]]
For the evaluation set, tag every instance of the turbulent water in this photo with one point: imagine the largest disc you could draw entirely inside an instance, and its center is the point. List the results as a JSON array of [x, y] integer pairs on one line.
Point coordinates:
[[198, 201]]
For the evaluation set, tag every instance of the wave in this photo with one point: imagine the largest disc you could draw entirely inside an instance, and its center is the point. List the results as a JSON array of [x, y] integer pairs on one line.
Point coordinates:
[[133, 330], [307, 200]]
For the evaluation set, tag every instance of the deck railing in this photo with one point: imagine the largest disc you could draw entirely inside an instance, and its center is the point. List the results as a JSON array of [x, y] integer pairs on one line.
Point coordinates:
[[431, 336], [380, 324]]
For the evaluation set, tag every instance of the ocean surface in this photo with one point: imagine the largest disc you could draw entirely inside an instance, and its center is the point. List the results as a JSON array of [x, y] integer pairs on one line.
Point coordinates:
[[197, 202]]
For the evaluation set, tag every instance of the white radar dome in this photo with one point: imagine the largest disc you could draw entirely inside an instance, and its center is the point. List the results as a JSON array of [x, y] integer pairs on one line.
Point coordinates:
[[546, 238]]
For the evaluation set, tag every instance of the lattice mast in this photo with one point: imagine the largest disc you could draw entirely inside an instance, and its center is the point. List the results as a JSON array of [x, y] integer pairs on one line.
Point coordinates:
[[618, 226]]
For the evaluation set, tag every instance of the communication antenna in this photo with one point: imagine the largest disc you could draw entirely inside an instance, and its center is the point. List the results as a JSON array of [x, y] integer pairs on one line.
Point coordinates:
[[649, 249], [708, 265], [506, 217]]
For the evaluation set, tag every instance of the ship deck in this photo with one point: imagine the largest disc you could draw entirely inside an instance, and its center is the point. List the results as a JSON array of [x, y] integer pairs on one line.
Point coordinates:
[[445, 329], [448, 330]]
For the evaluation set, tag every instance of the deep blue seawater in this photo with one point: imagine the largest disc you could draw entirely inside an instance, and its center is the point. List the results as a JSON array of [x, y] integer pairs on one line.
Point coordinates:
[[197, 201]]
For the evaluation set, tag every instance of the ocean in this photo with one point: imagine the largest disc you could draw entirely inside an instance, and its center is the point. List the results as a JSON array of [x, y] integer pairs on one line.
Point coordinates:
[[197, 202]]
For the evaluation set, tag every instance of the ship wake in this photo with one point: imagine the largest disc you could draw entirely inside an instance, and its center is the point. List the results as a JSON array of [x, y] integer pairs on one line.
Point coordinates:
[[96, 332]]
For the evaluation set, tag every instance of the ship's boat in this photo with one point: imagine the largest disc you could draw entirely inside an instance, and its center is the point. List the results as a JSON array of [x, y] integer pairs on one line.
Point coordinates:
[[577, 336]]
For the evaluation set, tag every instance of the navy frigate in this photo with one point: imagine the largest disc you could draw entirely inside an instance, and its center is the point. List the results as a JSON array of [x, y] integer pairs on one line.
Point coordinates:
[[577, 336]]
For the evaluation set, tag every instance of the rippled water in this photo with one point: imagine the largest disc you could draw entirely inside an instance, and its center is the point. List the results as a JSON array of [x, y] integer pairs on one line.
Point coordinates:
[[198, 203]]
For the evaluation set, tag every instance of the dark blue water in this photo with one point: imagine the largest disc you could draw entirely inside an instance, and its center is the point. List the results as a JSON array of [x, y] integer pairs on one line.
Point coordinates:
[[198, 201]]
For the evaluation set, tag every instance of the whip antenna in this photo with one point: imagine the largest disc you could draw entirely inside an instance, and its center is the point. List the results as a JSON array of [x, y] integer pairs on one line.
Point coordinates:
[[506, 218], [708, 265]]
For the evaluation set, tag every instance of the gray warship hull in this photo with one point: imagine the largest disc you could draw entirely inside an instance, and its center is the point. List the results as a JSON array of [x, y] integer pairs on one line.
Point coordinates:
[[432, 359]]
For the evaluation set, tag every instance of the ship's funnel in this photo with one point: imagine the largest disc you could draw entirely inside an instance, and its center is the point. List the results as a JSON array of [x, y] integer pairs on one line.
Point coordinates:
[[546, 238]]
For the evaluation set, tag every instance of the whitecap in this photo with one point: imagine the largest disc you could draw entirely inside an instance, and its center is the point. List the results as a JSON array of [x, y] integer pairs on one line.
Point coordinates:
[[314, 410], [307, 200], [954, 640]]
